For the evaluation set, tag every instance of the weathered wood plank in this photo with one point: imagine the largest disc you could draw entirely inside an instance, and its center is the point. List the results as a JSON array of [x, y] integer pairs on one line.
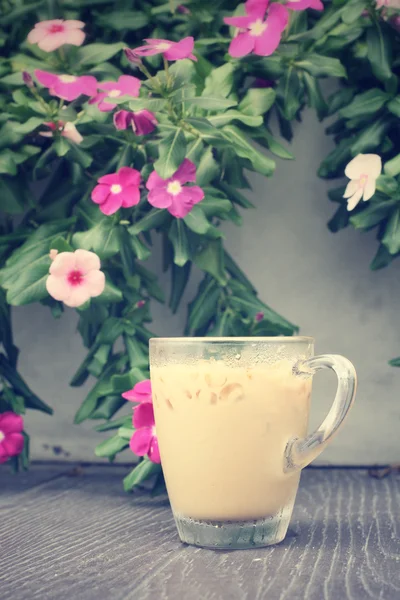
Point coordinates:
[[82, 537]]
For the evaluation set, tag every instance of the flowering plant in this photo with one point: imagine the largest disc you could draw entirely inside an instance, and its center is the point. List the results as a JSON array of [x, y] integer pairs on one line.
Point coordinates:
[[119, 125]]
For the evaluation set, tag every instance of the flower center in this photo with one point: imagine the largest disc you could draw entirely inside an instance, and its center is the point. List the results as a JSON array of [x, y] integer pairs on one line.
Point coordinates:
[[114, 93], [174, 188], [257, 28], [116, 188], [67, 78], [163, 46], [56, 28], [363, 181], [2, 436], [75, 277]]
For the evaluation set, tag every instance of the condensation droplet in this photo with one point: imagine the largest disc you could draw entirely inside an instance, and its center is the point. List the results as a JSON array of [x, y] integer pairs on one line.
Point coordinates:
[[188, 395], [215, 379], [169, 404], [214, 398], [238, 356], [233, 392]]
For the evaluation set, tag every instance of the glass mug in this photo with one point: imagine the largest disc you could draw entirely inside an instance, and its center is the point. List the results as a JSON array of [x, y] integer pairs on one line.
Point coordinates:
[[231, 419]]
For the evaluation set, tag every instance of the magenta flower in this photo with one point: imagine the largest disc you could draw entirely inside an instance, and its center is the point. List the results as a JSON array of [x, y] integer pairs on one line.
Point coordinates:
[[67, 87], [67, 130], [50, 35], [11, 438], [75, 277], [144, 440], [142, 121], [127, 85], [171, 193], [304, 4], [141, 392], [117, 190], [259, 316], [170, 50], [256, 33]]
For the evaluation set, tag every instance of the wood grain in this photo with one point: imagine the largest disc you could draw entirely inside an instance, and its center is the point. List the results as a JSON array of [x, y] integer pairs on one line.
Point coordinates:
[[82, 538]]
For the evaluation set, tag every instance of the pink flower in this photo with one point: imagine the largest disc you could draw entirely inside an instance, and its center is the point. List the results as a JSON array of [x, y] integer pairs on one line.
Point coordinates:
[[11, 438], [259, 316], [27, 79], [117, 190], [170, 50], [171, 193], [140, 303], [67, 130], [141, 392], [75, 277], [127, 85], [67, 87], [183, 10], [256, 34], [144, 440], [303, 4], [142, 121], [262, 83], [50, 35]]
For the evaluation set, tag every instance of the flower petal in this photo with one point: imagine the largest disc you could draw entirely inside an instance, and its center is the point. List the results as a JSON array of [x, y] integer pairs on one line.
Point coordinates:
[[75, 37], [143, 415], [140, 441], [241, 45], [130, 196], [154, 452], [96, 282], [256, 8], [159, 198], [112, 204], [181, 49], [109, 179], [369, 188], [121, 119], [13, 444], [52, 41], [364, 164], [355, 199], [73, 24], [267, 43], [195, 193], [186, 172], [141, 392], [129, 85], [45, 78], [155, 181], [71, 132], [78, 295], [36, 35], [100, 194], [86, 261], [11, 422], [62, 264], [128, 176], [239, 22], [58, 287], [351, 188]]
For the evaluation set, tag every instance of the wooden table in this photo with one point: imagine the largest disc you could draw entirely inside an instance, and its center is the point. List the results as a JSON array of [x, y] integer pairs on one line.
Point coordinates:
[[72, 534]]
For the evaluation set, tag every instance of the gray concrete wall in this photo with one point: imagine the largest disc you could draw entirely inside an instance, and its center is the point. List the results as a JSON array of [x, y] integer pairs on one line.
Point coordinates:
[[316, 279]]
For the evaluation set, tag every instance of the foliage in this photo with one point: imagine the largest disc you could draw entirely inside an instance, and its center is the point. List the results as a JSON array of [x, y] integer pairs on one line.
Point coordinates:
[[213, 112]]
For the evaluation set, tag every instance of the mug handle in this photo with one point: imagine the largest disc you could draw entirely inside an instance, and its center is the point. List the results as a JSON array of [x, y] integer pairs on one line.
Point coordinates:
[[300, 452]]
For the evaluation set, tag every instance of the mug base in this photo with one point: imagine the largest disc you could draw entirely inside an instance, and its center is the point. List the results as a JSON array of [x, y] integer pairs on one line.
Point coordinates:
[[234, 535]]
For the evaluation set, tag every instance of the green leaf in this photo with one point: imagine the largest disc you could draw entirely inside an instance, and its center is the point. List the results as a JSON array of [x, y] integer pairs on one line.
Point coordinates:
[[94, 54], [257, 101], [243, 148], [111, 329], [386, 184], [210, 258], [123, 19], [215, 206], [111, 294], [275, 147], [340, 219], [153, 219], [379, 51], [179, 279], [143, 471], [208, 168], [180, 241], [381, 259], [110, 447], [315, 97], [392, 167], [138, 354], [28, 126], [115, 424], [391, 238], [101, 234], [394, 106], [125, 382], [204, 306], [322, 66], [208, 133], [210, 102], [7, 163], [235, 115], [370, 137], [219, 82], [20, 387], [126, 432], [12, 196], [235, 196], [373, 214], [395, 362], [366, 103], [197, 221], [99, 360], [172, 151], [289, 93], [61, 245]]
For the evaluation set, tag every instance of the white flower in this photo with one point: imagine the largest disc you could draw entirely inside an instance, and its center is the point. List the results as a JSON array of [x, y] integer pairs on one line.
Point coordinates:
[[363, 171]]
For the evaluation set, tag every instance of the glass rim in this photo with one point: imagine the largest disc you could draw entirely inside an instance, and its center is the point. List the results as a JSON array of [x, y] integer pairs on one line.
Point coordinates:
[[281, 339]]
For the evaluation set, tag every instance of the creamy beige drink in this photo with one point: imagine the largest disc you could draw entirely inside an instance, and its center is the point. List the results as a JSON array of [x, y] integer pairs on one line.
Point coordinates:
[[222, 433]]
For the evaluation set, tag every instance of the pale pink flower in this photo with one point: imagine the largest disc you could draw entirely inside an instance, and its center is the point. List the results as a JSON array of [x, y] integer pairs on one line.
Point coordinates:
[[142, 121], [144, 440], [50, 35], [304, 4], [172, 193], [127, 85], [363, 171], [67, 87], [67, 130], [117, 190], [141, 392], [75, 277], [11, 438], [53, 253], [395, 4], [258, 33], [170, 50]]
